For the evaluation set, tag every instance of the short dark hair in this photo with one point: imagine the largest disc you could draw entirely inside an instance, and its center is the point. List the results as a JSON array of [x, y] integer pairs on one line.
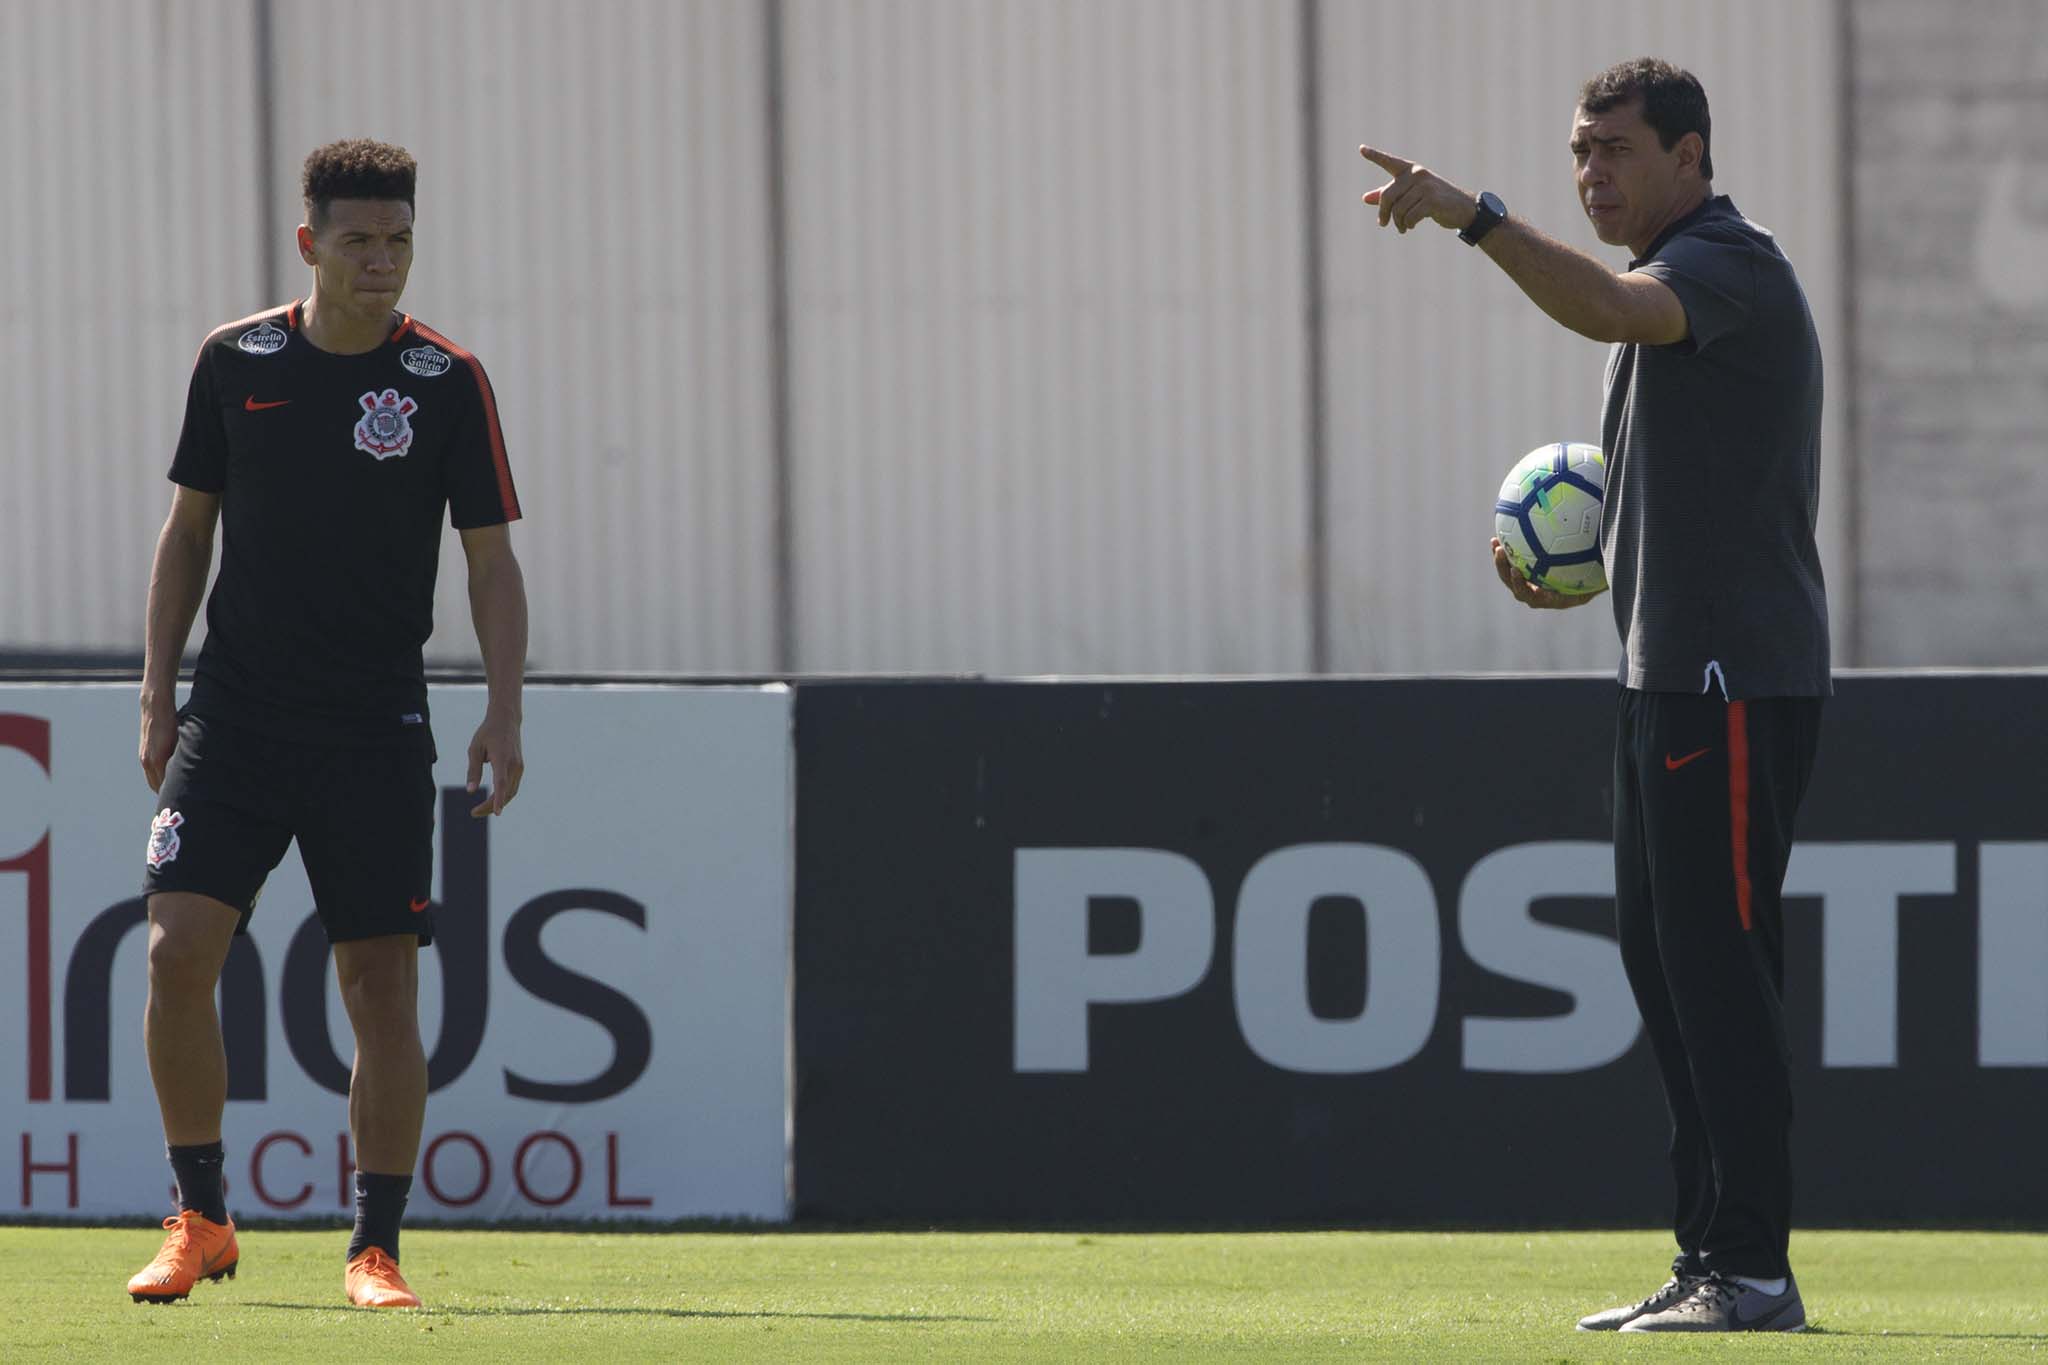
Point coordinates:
[[1674, 102], [355, 168]]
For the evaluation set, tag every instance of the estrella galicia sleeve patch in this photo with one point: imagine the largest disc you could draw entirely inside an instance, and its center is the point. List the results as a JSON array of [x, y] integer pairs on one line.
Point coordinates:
[[428, 362], [266, 338]]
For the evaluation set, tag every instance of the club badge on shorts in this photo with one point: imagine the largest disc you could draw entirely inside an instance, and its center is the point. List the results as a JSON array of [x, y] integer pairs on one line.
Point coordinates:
[[383, 429], [163, 838]]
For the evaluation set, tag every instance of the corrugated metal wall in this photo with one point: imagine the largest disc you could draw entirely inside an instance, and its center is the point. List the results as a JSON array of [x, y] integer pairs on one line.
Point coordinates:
[[128, 156], [1048, 371], [1046, 317], [1440, 372], [1952, 327], [593, 225]]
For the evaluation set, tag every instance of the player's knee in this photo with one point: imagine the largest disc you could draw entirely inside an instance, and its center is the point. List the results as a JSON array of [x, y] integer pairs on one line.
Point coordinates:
[[377, 1005], [182, 963], [377, 989]]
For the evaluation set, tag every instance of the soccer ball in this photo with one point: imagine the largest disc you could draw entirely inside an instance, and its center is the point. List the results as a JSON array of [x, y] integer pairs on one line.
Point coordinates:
[[1548, 516]]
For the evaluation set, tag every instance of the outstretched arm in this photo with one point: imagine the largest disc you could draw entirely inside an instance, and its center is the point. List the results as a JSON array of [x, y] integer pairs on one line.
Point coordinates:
[[497, 607], [1572, 287]]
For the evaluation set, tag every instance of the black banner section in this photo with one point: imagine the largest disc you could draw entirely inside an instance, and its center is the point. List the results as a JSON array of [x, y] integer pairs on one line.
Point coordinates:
[[1342, 951]]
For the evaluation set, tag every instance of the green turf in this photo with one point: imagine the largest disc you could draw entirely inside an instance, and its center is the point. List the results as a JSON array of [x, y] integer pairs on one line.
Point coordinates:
[[791, 1296]]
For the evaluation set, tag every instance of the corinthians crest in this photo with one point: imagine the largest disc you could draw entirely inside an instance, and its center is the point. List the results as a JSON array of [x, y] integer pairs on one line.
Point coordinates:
[[384, 429], [163, 838]]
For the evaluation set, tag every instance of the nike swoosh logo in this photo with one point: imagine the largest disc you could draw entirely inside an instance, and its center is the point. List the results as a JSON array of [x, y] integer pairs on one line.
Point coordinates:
[[420, 904], [250, 404], [206, 1267], [1762, 1320], [1672, 765]]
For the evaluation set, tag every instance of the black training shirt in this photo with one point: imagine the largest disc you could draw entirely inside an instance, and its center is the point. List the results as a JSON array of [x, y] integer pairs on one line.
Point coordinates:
[[1713, 474], [332, 472]]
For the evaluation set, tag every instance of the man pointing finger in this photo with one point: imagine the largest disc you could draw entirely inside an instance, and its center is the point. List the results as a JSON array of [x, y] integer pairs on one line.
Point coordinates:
[[1712, 435], [1416, 193]]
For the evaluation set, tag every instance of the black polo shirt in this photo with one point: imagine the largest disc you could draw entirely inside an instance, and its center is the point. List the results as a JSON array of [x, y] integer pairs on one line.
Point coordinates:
[[1713, 474], [333, 472]]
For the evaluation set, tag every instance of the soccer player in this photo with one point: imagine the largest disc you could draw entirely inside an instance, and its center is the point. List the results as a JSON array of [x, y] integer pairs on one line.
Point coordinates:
[[1712, 434], [324, 438]]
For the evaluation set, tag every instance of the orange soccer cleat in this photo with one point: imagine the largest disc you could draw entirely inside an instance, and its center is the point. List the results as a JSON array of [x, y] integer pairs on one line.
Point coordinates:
[[195, 1250], [373, 1281]]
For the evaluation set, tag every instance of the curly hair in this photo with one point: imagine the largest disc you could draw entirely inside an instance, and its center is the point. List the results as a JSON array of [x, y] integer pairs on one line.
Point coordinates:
[[1674, 102], [355, 168]]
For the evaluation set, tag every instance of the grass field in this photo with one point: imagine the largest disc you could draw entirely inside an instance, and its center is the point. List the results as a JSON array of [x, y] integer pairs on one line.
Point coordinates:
[[829, 1296]]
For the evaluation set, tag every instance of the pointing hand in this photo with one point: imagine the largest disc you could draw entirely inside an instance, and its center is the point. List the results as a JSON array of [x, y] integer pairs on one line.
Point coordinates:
[[1416, 193]]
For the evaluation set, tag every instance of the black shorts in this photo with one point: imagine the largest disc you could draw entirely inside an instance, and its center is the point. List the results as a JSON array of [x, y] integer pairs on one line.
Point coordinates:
[[233, 799]]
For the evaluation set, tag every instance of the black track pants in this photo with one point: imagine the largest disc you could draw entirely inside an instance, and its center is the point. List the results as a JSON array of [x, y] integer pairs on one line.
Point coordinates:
[[1705, 791]]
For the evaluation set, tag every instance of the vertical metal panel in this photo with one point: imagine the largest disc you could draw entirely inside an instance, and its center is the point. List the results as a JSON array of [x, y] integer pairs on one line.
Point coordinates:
[[1317, 331], [1441, 372], [592, 223], [1046, 316], [1951, 111], [129, 161]]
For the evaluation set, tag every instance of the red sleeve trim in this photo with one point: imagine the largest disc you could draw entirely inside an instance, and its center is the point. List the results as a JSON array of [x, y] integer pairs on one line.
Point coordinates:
[[508, 499]]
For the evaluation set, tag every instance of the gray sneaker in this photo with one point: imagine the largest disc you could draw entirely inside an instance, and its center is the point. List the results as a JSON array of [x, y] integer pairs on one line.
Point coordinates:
[[1681, 1284], [1721, 1303]]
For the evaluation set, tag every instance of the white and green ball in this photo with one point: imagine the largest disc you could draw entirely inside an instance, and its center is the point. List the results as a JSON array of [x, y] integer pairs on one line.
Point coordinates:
[[1548, 516]]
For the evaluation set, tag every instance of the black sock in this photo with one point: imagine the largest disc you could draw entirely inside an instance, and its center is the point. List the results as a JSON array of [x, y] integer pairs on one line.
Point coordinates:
[[380, 1203], [199, 1184]]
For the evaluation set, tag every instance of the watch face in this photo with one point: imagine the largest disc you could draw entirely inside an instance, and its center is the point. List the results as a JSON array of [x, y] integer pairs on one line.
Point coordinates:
[[1490, 212]]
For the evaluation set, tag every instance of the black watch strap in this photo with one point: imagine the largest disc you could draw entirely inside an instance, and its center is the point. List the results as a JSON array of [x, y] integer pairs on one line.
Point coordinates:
[[1487, 216]]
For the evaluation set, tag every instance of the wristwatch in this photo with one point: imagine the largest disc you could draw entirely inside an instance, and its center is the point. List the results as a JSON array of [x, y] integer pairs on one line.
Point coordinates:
[[1489, 215]]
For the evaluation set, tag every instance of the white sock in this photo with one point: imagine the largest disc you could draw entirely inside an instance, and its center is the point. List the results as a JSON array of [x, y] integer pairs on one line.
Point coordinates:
[[1771, 1287]]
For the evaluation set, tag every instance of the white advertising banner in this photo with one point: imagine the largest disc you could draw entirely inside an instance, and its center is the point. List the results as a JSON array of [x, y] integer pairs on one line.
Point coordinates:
[[603, 1007]]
